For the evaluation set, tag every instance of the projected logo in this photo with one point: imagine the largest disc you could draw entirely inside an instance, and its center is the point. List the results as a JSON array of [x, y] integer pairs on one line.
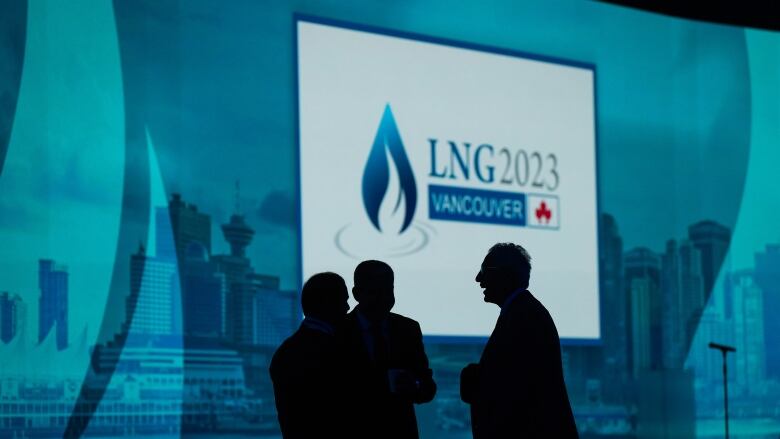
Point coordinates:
[[543, 211], [389, 193], [463, 186], [376, 176]]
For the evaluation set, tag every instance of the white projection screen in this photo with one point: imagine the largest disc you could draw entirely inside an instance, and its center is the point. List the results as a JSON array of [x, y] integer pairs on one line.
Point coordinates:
[[424, 153]]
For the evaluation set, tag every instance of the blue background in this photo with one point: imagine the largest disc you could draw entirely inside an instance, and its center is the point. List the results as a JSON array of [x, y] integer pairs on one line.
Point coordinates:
[[106, 110]]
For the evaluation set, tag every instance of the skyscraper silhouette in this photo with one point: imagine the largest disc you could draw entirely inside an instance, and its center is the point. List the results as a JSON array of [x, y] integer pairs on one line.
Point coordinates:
[[768, 278], [53, 303], [683, 299], [276, 313], [257, 312], [203, 301], [712, 240], [154, 289], [188, 226], [613, 307], [12, 316], [642, 280], [749, 334], [237, 269]]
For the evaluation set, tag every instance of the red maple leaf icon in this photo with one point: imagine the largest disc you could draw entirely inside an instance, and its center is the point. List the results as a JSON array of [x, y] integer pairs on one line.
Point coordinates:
[[543, 213]]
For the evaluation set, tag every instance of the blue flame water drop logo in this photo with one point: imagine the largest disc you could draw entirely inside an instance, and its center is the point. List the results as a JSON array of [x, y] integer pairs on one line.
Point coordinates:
[[376, 175]]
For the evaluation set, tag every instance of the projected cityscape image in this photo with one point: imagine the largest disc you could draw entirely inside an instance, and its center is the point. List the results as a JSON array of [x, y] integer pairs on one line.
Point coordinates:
[[172, 173]]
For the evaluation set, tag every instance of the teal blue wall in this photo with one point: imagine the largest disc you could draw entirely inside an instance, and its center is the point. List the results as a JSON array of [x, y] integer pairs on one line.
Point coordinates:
[[106, 109]]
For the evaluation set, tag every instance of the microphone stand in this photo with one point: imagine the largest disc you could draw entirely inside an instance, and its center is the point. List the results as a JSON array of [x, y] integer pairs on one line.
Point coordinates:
[[724, 350]]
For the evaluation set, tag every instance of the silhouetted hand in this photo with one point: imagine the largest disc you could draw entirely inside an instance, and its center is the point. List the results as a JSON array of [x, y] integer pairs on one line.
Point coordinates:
[[403, 382], [469, 381]]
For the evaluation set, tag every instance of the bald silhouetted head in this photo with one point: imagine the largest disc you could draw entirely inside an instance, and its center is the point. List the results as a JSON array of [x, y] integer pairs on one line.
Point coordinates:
[[506, 268], [373, 289], [324, 296]]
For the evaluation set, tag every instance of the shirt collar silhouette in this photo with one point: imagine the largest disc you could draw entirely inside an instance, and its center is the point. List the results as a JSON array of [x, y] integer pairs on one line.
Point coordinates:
[[319, 325], [511, 298], [367, 325]]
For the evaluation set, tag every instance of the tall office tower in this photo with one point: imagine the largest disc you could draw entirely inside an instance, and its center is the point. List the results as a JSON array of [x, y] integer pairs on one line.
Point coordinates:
[[154, 288], [613, 309], [712, 240], [253, 320], [12, 316], [642, 290], [692, 293], [240, 311], [767, 276], [237, 269], [204, 294], [748, 323], [642, 280], [53, 303], [275, 312], [164, 244], [671, 314], [682, 300], [187, 225]]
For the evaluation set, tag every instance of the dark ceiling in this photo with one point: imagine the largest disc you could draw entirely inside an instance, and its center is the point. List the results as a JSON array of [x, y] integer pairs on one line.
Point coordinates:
[[756, 14]]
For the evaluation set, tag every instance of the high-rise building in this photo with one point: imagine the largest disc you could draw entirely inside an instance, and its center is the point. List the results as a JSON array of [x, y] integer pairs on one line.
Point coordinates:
[[691, 284], [241, 289], [187, 225], [767, 276], [12, 316], [642, 290], [671, 314], [255, 302], [682, 300], [203, 287], [53, 303], [613, 310], [712, 240], [748, 332], [154, 287], [613, 298], [642, 280], [204, 294], [276, 313]]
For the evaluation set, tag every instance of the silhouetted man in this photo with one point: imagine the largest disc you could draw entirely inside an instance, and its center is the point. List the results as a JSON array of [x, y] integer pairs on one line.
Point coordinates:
[[387, 356], [306, 370], [517, 389]]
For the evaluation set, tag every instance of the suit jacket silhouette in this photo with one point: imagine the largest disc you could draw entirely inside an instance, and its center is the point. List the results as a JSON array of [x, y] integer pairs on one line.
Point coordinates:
[[306, 377], [377, 413], [518, 391]]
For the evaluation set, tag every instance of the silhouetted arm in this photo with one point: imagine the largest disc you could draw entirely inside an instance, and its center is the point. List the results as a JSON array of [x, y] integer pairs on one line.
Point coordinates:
[[469, 383], [426, 387], [282, 394]]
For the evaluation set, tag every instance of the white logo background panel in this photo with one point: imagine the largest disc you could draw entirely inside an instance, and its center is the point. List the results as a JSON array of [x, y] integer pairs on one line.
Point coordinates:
[[347, 77]]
